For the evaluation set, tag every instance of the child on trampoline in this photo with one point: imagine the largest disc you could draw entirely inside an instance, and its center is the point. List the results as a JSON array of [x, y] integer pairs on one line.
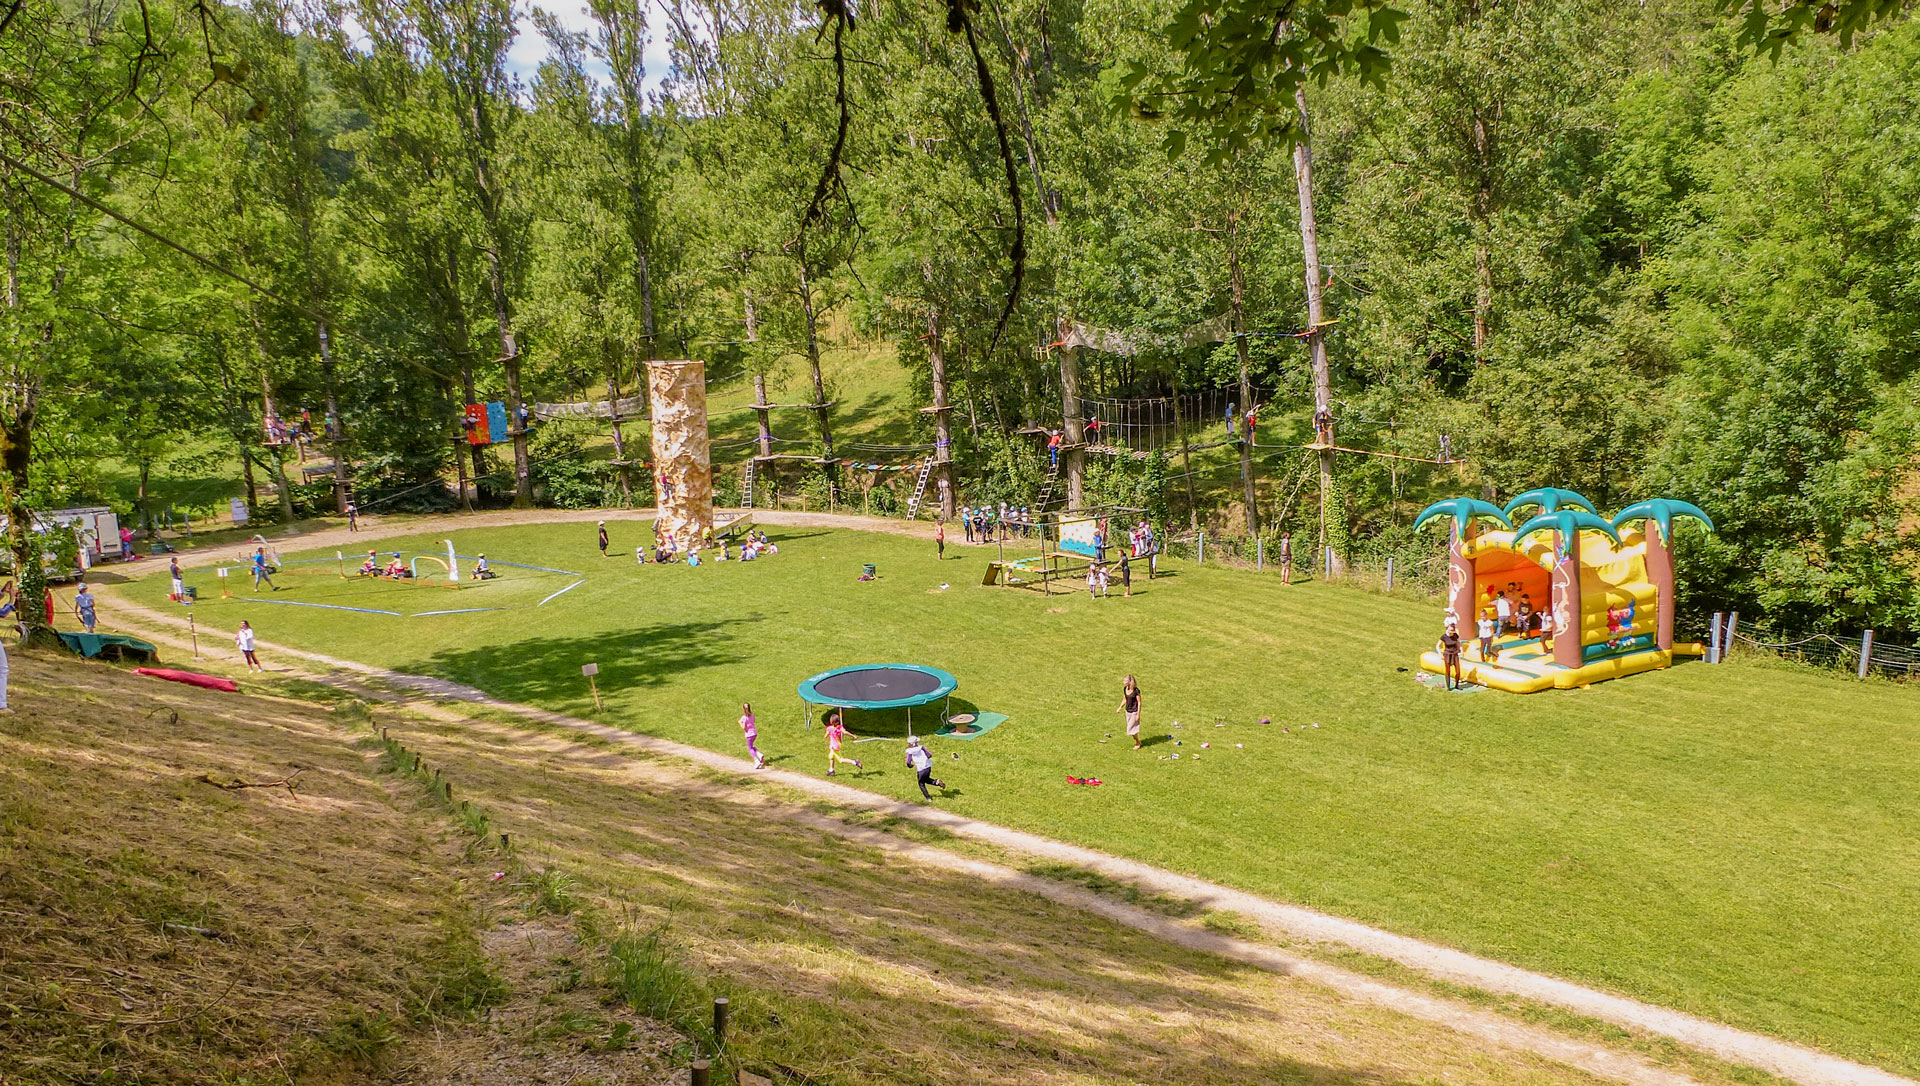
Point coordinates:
[[751, 730], [920, 760], [836, 732]]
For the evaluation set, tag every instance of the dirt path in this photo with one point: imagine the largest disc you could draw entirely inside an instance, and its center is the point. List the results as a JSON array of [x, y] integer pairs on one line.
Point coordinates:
[[1797, 1063]]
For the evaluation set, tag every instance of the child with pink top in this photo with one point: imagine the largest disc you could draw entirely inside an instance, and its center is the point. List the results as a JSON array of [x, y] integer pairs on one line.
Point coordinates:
[[752, 732], [836, 731]]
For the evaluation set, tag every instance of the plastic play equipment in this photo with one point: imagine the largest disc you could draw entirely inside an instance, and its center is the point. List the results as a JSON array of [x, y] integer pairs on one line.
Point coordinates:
[[1608, 586], [878, 686]]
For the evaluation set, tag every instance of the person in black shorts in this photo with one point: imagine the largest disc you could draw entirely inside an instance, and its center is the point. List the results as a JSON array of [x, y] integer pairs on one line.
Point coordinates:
[[1450, 656], [1126, 573], [603, 539]]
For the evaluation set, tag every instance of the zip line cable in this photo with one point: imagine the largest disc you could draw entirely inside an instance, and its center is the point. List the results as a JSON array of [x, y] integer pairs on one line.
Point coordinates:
[[207, 262]]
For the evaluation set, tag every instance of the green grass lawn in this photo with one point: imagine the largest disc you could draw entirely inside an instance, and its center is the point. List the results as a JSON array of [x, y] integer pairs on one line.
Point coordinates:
[[1736, 841]]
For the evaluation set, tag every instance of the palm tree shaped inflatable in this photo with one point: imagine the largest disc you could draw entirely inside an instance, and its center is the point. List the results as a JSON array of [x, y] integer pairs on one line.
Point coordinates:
[[1568, 606], [1609, 590], [1661, 513], [1465, 513]]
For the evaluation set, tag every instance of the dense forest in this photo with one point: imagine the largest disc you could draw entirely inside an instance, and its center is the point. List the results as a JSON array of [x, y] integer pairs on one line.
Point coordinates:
[[1665, 247]]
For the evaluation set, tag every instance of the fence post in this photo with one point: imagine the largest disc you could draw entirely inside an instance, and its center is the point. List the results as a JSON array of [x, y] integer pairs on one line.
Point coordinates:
[[1866, 652], [720, 1007], [1326, 564], [1259, 555], [1726, 643], [1201, 560], [1389, 574], [1713, 639], [700, 1073]]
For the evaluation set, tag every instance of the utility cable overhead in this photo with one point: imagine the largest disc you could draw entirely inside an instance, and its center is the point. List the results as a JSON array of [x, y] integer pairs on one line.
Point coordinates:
[[208, 262]]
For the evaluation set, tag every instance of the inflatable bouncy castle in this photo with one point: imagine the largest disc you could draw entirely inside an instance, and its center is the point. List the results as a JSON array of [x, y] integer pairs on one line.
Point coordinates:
[[1576, 598]]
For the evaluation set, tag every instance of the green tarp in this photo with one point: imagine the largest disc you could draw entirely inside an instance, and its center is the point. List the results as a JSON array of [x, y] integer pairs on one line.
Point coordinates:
[[112, 646]]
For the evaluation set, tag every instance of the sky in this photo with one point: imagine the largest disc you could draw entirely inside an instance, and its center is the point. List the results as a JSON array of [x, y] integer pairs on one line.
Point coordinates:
[[529, 49]]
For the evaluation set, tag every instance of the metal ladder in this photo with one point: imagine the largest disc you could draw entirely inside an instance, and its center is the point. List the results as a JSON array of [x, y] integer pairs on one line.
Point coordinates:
[[919, 489], [746, 488]]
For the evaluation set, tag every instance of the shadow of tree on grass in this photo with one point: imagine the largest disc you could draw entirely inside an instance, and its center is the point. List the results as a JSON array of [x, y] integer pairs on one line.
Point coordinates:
[[543, 670]]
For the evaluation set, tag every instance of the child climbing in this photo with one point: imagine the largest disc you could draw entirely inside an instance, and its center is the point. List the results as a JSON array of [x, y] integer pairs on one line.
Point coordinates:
[[837, 731], [920, 760], [752, 732]]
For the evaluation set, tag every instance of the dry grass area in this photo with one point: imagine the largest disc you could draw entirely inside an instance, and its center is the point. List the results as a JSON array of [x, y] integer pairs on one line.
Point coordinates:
[[847, 964], [157, 928]]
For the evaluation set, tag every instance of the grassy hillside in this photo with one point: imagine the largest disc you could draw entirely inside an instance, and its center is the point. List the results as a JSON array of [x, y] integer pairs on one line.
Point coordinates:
[[1731, 841], [165, 925]]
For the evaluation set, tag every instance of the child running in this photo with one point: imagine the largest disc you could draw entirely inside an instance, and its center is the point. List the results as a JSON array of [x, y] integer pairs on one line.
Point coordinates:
[[752, 732], [920, 760], [837, 731], [244, 639]]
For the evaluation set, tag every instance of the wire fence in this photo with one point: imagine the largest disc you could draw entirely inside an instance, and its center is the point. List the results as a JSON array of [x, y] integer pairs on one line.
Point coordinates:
[[1862, 656]]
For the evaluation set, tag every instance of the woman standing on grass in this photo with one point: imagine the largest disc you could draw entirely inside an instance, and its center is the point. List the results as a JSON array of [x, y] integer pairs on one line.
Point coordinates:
[[83, 606], [245, 641], [1130, 708]]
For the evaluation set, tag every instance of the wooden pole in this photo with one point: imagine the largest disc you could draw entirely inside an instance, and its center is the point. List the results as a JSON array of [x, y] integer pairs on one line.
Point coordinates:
[[1316, 305], [760, 406], [1733, 623], [720, 1008], [701, 1073], [195, 631]]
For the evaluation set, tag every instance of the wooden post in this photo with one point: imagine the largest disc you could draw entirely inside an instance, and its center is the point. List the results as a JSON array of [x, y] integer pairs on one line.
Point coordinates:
[[506, 843], [590, 670], [195, 631], [1259, 555], [1200, 550], [720, 1008], [1389, 574], [1866, 652], [1733, 623], [700, 1074]]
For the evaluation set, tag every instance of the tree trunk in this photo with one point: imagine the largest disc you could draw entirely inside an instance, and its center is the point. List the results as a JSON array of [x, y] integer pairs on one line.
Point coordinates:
[[16, 431], [279, 461], [942, 426], [337, 438], [813, 363], [612, 352], [1246, 383], [1316, 307], [1186, 454], [1075, 437]]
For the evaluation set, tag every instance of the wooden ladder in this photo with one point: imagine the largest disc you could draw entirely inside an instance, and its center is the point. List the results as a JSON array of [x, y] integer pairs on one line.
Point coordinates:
[[746, 488], [919, 489]]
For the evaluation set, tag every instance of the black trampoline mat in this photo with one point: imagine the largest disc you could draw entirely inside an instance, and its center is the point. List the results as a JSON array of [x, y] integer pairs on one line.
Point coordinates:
[[876, 684]]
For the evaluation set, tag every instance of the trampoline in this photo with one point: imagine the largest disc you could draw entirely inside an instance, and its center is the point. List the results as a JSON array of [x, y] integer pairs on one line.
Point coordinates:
[[877, 686]]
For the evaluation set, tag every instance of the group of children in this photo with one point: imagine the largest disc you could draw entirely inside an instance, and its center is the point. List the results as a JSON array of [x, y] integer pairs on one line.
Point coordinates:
[[667, 548], [1010, 521], [918, 758], [1099, 575], [1501, 614], [395, 569]]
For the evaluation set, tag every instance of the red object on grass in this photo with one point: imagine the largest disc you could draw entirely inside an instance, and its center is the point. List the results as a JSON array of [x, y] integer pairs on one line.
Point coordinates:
[[191, 678]]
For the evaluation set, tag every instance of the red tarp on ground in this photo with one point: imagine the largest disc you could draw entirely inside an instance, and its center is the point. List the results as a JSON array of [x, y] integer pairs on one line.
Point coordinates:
[[191, 678]]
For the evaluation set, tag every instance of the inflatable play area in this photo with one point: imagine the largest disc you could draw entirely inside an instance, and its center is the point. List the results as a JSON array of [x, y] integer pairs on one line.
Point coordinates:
[[1575, 598]]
